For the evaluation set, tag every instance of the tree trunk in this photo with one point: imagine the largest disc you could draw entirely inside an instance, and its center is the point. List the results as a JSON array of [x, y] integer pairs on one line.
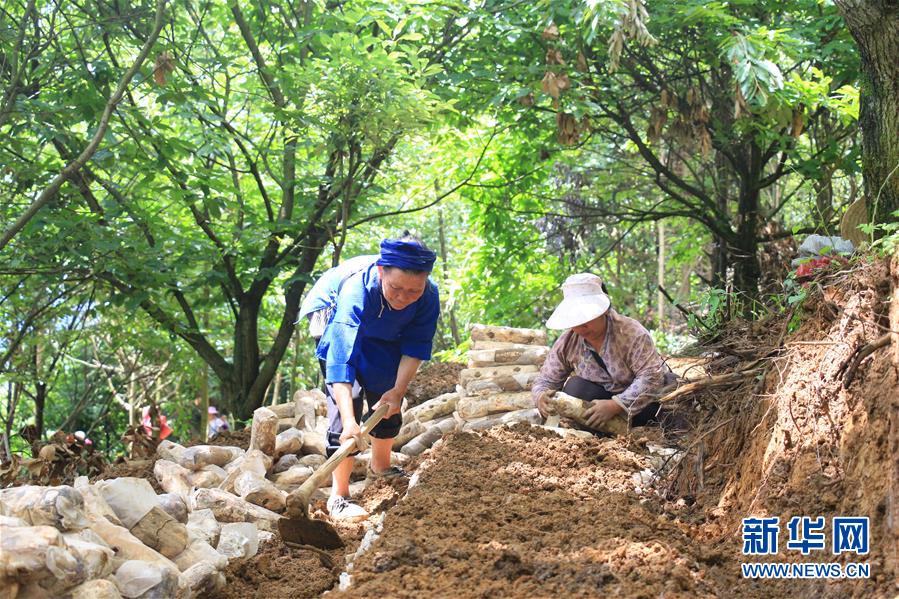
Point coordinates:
[[246, 355], [660, 298], [875, 26], [40, 401], [747, 270], [454, 326]]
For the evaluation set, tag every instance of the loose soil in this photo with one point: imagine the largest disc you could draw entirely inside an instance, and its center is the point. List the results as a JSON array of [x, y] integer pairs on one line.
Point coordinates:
[[133, 468], [434, 378], [522, 512], [239, 438], [282, 572]]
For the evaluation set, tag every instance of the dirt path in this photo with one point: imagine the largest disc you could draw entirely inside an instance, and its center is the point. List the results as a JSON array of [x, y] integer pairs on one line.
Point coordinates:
[[524, 513]]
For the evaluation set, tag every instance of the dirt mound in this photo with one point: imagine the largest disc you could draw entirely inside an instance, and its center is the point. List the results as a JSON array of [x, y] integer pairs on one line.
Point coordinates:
[[239, 438], [282, 572], [435, 378], [133, 468], [522, 512], [808, 440]]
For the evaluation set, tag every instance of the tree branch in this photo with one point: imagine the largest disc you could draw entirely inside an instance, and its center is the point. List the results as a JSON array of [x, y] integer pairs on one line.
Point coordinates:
[[70, 169]]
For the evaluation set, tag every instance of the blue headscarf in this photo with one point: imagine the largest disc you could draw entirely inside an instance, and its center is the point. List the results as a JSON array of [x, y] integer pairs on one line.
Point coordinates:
[[407, 255]]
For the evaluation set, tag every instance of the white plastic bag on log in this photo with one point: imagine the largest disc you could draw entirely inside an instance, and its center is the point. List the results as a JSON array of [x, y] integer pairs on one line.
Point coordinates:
[[173, 478], [198, 456], [509, 383], [174, 505], [208, 476], [481, 344], [61, 507], [129, 497], [475, 406], [531, 416], [264, 430], [200, 580], [258, 490], [253, 461], [94, 504], [145, 580], [95, 557], [442, 405], [293, 476], [169, 450], [313, 460], [305, 409], [35, 554], [285, 462], [100, 588], [12, 521], [520, 354], [284, 410], [238, 540], [127, 546], [201, 524], [314, 443], [470, 375], [508, 334], [430, 436], [231, 508], [200, 551], [574, 408], [288, 442]]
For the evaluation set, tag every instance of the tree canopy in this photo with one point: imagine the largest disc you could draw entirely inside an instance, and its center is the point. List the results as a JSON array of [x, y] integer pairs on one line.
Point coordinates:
[[174, 175]]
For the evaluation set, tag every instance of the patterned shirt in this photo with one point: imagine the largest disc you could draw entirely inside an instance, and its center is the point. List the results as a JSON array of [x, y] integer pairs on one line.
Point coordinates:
[[636, 371]]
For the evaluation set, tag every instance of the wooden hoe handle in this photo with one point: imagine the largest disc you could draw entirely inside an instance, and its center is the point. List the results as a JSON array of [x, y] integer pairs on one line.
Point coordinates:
[[325, 470]]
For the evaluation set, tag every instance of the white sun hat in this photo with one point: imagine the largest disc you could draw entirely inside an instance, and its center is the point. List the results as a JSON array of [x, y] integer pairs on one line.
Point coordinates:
[[583, 300]]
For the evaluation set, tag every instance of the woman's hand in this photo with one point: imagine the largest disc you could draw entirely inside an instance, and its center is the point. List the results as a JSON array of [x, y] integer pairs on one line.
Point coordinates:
[[351, 430], [601, 411], [540, 402], [392, 398]]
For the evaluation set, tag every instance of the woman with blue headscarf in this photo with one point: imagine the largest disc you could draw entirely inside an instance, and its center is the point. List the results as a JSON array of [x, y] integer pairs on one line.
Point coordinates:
[[373, 318]]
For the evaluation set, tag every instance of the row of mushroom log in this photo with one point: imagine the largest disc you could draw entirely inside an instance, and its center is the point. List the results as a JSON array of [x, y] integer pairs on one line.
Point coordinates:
[[119, 538]]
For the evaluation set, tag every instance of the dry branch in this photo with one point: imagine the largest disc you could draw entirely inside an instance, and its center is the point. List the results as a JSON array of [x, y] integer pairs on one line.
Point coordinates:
[[850, 366], [713, 381]]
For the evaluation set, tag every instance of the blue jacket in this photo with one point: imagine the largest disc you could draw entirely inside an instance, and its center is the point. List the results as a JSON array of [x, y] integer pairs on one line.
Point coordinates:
[[365, 338]]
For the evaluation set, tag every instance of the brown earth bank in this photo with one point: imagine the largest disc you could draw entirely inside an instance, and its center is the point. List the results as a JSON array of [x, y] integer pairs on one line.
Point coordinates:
[[434, 378], [523, 513]]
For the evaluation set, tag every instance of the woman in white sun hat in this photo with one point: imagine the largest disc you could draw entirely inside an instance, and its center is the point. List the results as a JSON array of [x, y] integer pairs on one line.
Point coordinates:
[[603, 357]]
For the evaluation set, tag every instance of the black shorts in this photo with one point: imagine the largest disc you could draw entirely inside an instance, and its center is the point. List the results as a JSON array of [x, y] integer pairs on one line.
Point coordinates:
[[388, 428]]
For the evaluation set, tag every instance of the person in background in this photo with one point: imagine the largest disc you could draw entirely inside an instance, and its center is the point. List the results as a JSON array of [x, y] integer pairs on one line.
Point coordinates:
[[373, 319], [146, 422], [603, 357], [215, 422]]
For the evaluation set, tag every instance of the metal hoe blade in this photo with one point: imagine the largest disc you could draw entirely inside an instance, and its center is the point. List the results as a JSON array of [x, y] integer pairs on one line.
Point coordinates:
[[306, 531]]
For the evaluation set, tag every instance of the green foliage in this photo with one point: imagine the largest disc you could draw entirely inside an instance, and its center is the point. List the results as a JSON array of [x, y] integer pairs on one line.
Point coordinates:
[[712, 311], [179, 255], [885, 235]]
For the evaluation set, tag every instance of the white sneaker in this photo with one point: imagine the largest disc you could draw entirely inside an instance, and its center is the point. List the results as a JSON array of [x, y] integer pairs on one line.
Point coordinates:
[[341, 508]]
